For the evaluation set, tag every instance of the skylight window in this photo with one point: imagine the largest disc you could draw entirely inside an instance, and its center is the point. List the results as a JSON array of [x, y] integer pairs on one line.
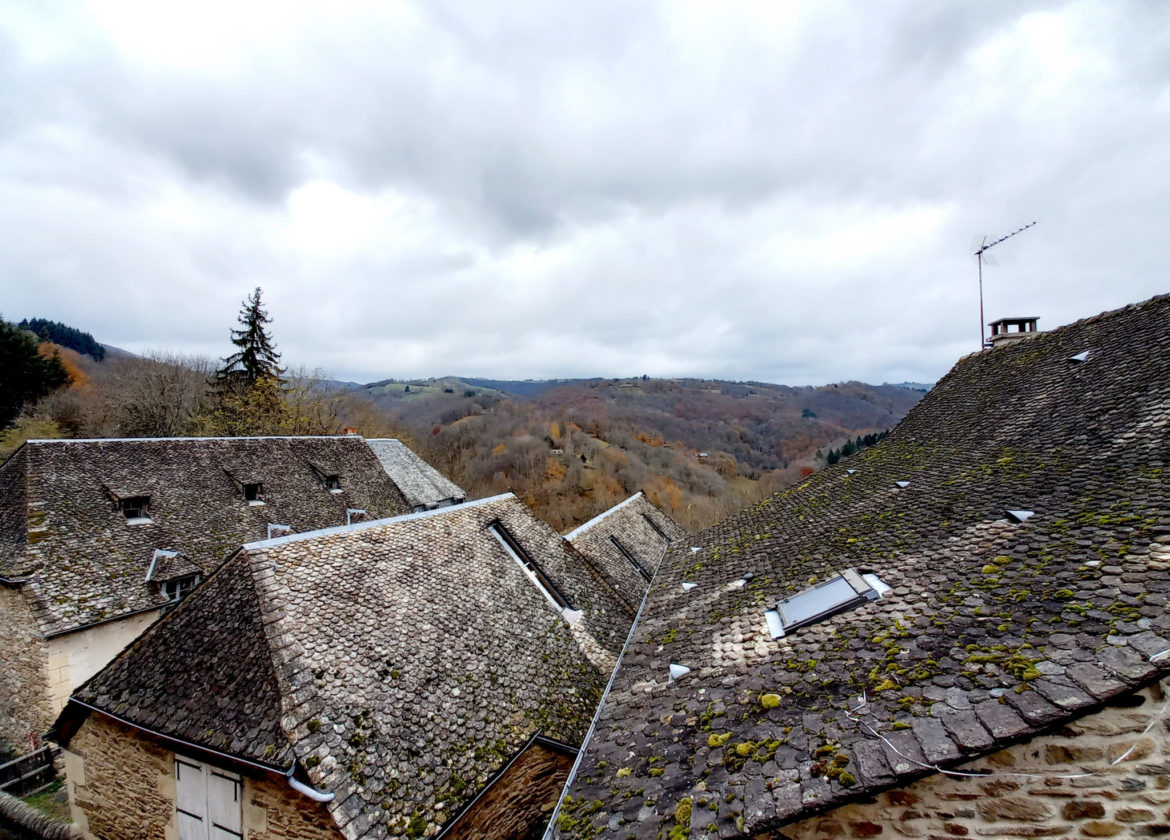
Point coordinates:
[[654, 525], [1019, 515], [136, 509], [902, 484], [333, 483], [530, 567], [253, 493], [845, 591], [1083, 356], [633, 560]]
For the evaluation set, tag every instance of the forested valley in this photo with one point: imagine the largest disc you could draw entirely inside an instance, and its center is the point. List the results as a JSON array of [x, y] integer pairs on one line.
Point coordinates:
[[700, 449]]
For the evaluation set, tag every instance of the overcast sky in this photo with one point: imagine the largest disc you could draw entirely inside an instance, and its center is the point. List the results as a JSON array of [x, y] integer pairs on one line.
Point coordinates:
[[775, 191]]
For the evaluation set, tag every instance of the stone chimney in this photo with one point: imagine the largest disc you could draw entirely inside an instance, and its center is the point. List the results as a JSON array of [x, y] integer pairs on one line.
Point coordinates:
[[1007, 330]]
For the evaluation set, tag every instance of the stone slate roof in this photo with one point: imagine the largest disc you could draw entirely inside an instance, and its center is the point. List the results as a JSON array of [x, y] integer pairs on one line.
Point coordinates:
[[638, 527], [63, 533], [401, 663], [168, 565], [993, 630], [423, 486]]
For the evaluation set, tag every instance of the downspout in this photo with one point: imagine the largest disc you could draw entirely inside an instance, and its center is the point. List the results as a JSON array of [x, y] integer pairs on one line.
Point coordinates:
[[552, 821], [311, 792]]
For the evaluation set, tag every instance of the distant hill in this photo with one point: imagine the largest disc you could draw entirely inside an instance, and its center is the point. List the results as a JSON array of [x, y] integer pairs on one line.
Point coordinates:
[[65, 336], [570, 448], [524, 388], [113, 352]]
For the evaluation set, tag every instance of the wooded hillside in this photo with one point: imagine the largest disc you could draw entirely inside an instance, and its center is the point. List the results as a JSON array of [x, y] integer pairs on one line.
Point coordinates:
[[698, 448]]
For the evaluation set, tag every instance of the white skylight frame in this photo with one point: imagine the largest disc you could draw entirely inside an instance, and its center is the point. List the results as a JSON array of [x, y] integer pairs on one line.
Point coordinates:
[[533, 571], [842, 592]]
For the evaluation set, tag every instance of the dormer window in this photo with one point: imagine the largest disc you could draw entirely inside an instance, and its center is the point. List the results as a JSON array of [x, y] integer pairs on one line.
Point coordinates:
[[253, 493], [842, 592], [333, 483], [136, 509], [178, 588]]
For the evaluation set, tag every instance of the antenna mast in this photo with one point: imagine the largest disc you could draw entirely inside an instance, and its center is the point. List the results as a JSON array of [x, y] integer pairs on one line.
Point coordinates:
[[979, 252]]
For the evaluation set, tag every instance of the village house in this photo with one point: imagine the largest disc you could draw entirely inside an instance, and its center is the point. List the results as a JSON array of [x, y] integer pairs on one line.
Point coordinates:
[[424, 487], [626, 544], [98, 537], [961, 631], [430, 674]]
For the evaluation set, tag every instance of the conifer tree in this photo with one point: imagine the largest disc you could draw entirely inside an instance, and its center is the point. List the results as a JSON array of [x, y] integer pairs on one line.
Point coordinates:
[[256, 358], [25, 374]]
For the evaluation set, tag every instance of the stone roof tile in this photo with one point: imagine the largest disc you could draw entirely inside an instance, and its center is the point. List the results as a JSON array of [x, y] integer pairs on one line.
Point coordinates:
[[63, 530], [401, 662], [423, 486], [996, 628], [626, 543]]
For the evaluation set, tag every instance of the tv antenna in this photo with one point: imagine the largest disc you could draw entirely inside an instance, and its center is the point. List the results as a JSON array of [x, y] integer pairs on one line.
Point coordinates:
[[982, 246]]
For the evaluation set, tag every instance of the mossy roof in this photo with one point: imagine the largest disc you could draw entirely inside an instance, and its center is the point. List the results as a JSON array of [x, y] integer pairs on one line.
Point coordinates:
[[400, 662], [63, 533], [993, 630]]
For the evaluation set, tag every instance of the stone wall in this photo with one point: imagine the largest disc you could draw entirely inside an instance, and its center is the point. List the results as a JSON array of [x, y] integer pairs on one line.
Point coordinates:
[[520, 800], [122, 784], [24, 698], [1131, 799]]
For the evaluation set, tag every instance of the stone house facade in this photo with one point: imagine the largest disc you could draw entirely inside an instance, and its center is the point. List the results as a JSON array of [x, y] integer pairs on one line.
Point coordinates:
[[98, 537]]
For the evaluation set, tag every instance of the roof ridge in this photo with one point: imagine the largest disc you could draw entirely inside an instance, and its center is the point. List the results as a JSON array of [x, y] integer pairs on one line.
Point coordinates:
[[338, 530], [286, 657], [581, 528]]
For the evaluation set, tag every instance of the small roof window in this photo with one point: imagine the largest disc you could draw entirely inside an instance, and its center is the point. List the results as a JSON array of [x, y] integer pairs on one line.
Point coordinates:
[[837, 594], [902, 484], [1083, 356], [1019, 515], [530, 567], [333, 483], [136, 509], [654, 525], [253, 493], [630, 557]]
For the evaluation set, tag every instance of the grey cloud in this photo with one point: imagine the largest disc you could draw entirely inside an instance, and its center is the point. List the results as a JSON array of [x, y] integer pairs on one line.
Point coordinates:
[[669, 175]]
